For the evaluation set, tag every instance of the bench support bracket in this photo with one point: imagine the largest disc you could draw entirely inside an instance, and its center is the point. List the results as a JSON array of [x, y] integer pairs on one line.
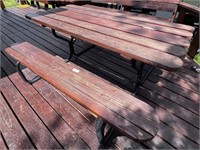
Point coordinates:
[[105, 137], [71, 45], [141, 77], [36, 78]]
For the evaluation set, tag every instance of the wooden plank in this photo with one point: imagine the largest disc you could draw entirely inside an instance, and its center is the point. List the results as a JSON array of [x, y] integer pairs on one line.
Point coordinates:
[[180, 126], [184, 102], [28, 117], [85, 74], [14, 134], [20, 21], [190, 7], [138, 29], [122, 15], [129, 13], [134, 38], [163, 102], [92, 17], [182, 90], [54, 122], [174, 126], [125, 48], [70, 111], [178, 78], [97, 106], [170, 106], [3, 145], [8, 27], [153, 5], [7, 65], [131, 1], [14, 25]]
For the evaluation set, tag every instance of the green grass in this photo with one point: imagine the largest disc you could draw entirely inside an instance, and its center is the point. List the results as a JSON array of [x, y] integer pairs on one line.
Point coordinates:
[[197, 58], [12, 3], [9, 3]]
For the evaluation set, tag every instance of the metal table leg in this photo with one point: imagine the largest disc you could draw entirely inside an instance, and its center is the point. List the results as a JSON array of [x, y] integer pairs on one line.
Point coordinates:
[[36, 78], [71, 45], [105, 138], [141, 77]]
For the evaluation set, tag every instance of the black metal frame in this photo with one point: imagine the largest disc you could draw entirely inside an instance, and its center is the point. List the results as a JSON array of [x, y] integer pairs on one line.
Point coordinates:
[[138, 66], [36, 78], [105, 138], [141, 77], [71, 45]]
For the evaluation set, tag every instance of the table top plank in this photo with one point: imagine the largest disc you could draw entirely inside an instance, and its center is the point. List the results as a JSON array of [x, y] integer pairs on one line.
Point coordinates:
[[133, 22], [137, 40], [123, 15], [134, 30], [144, 32], [133, 51]]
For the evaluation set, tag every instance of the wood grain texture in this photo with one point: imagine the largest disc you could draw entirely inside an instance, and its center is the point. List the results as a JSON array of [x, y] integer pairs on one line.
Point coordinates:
[[11, 129], [112, 67], [54, 122], [111, 20], [125, 48], [73, 87], [37, 131], [3, 145], [134, 16]]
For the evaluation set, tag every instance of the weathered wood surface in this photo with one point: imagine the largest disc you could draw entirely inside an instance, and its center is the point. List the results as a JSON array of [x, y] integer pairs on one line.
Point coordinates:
[[175, 93], [108, 33], [170, 6], [94, 95], [151, 5], [140, 17]]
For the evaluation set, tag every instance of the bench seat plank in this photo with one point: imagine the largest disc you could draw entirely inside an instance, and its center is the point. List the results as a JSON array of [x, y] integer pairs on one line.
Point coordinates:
[[135, 23], [128, 15], [69, 79], [125, 48]]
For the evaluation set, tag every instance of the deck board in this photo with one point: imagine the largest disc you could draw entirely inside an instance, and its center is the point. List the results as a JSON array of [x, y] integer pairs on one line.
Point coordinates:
[[175, 94]]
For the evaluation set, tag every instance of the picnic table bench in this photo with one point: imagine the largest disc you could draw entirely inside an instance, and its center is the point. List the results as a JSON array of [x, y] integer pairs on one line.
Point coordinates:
[[125, 114]]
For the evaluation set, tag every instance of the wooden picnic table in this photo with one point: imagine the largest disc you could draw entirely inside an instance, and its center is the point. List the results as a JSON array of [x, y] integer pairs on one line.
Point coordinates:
[[137, 38]]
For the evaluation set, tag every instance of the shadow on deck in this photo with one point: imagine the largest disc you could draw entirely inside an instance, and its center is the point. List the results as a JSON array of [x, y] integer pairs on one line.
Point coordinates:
[[38, 116]]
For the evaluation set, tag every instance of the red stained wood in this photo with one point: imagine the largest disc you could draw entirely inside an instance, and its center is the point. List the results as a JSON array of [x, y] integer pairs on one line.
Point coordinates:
[[11, 130], [179, 126], [124, 15], [77, 89], [188, 104], [131, 1], [61, 130], [2, 143], [112, 20], [157, 45], [190, 7], [30, 121], [151, 5], [125, 48]]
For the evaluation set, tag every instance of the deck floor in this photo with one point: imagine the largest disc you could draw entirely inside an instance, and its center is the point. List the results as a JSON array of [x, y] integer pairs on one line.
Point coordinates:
[[39, 116]]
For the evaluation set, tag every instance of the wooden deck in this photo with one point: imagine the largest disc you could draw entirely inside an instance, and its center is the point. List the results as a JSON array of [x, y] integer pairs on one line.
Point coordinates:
[[38, 116]]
